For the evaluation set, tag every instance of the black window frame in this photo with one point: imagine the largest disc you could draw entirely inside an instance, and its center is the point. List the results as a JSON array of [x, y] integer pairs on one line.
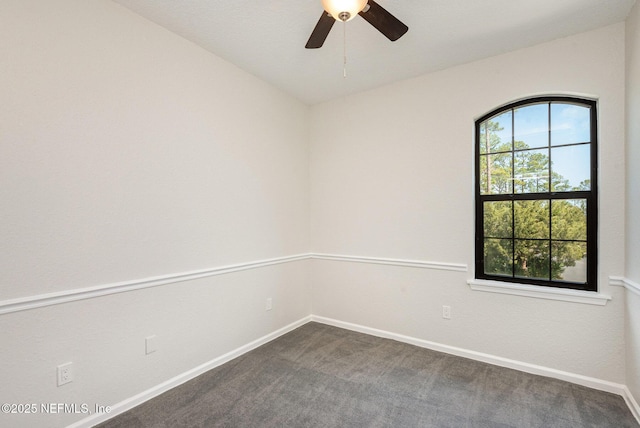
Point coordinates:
[[591, 197]]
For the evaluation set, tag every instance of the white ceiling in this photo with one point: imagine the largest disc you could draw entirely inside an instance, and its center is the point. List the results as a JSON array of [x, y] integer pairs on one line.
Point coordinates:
[[266, 37]]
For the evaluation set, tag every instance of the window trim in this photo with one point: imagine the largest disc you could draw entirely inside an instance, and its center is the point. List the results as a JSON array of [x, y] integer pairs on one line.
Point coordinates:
[[591, 197], [538, 292]]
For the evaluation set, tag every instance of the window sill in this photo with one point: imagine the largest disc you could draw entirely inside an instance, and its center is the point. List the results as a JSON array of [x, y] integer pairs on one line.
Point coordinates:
[[549, 293]]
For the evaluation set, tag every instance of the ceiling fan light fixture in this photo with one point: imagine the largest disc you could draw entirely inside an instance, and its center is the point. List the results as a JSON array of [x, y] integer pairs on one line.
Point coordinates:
[[343, 10]]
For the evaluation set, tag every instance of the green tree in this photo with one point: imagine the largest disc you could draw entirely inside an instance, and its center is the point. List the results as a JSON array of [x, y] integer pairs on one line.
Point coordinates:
[[528, 238]]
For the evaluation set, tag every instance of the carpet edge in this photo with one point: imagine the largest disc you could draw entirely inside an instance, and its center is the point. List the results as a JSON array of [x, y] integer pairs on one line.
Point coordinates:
[[590, 382], [152, 392]]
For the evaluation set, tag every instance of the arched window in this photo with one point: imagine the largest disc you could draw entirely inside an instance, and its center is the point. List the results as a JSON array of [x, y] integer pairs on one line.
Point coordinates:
[[536, 193]]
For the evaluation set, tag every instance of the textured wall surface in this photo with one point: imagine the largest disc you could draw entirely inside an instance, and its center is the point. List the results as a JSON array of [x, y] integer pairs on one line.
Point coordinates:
[[127, 153], [395, 179], [633, 198]]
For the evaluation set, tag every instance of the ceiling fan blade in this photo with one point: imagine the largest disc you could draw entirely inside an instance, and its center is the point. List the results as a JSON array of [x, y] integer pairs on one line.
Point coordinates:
[[383, 21], [321, 31]]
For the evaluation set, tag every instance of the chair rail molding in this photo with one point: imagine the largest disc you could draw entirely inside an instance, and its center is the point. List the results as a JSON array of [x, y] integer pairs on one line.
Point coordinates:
[[457, 267], [620, 281], [55, 298]]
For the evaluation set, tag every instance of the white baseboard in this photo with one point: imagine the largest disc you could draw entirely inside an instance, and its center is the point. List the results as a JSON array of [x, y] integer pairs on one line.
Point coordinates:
[[587, 381], [138, 399], [590, 382], [632, 403]]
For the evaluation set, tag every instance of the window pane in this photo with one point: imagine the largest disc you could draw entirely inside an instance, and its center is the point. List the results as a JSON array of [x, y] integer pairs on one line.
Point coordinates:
[[498, 219], [531, 126], [570, 168], [495, 174], [535, 167], [531, 173], [569, 261], [570, 124], [531, 259], [532, 219], [495, 134], [569, 219], [498, 256]]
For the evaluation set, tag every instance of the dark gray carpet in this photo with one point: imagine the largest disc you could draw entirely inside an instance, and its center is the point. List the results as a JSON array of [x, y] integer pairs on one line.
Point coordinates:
[[322, 376]]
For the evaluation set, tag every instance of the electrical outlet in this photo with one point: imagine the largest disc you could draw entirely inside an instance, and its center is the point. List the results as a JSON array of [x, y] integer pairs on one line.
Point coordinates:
[[446, 312], [65, 373], [268, 305]]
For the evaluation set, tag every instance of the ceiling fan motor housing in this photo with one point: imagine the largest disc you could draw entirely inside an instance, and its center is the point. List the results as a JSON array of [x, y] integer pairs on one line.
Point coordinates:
[[344, 10]]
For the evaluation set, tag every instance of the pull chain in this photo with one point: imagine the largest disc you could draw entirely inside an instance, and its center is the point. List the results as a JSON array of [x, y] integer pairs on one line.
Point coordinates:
[[344, 49]]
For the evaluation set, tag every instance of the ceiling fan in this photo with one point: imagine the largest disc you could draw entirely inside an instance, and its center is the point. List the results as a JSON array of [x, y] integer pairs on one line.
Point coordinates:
[[345, 10]]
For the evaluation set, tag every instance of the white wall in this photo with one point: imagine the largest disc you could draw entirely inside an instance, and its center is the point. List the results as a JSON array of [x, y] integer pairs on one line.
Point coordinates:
[[633, 199], [126, 153], [392, 176]]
